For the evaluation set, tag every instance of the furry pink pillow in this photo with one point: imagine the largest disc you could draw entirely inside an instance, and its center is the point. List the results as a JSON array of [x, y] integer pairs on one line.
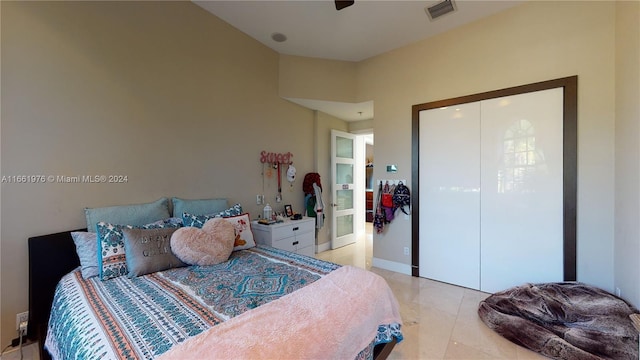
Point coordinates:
[[207, 246]]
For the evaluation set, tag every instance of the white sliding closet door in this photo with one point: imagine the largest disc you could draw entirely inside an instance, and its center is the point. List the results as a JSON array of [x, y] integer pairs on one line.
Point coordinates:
[[522, 190], [491, 191], [450, 194]]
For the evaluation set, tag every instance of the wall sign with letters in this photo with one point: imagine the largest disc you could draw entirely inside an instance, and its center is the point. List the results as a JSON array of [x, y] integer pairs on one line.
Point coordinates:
[[275, 158]]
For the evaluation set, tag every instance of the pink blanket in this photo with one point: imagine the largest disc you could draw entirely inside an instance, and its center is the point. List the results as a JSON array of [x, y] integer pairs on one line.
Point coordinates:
[[334, 318]]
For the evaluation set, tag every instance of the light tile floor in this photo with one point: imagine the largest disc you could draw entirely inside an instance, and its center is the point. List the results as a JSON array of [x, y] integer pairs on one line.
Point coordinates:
[[440, 320]]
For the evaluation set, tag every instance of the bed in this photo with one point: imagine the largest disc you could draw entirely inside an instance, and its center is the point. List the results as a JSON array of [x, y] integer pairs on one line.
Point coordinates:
[[54, 264]]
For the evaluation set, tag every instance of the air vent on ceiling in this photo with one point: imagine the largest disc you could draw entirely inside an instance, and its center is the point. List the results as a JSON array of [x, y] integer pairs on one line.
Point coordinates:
[[439, 9]]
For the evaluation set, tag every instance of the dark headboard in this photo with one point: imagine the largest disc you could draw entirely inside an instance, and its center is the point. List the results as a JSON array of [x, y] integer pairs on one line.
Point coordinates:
[[50, 258]]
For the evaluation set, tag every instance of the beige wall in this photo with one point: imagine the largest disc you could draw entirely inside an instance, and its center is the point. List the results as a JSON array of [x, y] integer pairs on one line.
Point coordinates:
[[528, 43], [162, 92], [627, 150], [318, 79], [361, 127]]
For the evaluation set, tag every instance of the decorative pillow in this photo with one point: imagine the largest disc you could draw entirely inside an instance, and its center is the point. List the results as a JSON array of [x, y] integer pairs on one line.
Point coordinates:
[[136, 214], [149, 250], [177, 221], [200, 206], [87, 250], [188, 219], [112, 261], [207, 246], [244, 236]]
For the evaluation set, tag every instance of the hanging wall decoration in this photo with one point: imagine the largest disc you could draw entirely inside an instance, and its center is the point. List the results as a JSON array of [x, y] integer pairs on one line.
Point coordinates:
[[275, 158], [275, 161]]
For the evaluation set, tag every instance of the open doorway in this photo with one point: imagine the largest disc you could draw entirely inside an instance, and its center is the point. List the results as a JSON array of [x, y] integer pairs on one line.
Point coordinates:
[[364, 186], [368, 174]]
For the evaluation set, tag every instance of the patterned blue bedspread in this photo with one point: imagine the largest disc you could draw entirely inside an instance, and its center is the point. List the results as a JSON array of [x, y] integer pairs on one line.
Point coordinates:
[[143, 317]]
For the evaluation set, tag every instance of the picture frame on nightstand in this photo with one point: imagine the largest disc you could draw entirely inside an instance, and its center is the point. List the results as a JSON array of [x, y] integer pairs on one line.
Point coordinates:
[[288, 210]]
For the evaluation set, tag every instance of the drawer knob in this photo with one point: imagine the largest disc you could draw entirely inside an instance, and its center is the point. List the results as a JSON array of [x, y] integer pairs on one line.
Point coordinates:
[[295, 228]]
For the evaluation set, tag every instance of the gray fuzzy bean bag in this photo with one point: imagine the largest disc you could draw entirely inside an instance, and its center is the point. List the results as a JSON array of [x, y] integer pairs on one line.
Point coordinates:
[[563, 321]]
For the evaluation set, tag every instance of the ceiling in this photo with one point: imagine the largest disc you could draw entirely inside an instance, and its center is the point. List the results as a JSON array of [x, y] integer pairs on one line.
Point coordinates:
[[314, 28]]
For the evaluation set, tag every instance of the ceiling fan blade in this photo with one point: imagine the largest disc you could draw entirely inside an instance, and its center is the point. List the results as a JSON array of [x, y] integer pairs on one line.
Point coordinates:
[[343, 4]]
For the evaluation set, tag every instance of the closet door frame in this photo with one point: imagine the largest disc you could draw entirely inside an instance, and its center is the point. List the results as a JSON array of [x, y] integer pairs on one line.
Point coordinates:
[[570, 162]]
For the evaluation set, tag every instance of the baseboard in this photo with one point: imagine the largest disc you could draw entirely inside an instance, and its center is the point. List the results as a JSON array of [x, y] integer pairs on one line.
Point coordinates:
[[323, 247], [391, 266], [29, 351]]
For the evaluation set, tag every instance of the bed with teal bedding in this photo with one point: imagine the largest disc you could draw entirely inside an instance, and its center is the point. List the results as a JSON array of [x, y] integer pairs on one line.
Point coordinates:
[[144, 317]]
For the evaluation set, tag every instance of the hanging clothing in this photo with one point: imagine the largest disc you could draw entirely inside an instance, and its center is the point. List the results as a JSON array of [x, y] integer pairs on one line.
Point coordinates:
[[313, 203], [319, 207], [379, 219], [310, 205], [309, 180]]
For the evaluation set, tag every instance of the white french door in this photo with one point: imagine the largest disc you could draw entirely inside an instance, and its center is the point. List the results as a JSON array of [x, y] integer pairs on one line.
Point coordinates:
[[342, 188]]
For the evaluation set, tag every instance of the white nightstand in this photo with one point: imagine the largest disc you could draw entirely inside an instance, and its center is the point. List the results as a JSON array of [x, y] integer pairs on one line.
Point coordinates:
[[292, 235]]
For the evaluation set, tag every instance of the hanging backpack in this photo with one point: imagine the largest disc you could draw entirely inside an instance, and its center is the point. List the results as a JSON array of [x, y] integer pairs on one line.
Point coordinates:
[[401, 198], [387, 201], [387, 195]]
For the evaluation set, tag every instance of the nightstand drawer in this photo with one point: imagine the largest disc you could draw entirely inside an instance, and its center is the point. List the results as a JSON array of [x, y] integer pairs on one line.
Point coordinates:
[[293, 243], [288, 244], [293, 229], [306, 239]]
